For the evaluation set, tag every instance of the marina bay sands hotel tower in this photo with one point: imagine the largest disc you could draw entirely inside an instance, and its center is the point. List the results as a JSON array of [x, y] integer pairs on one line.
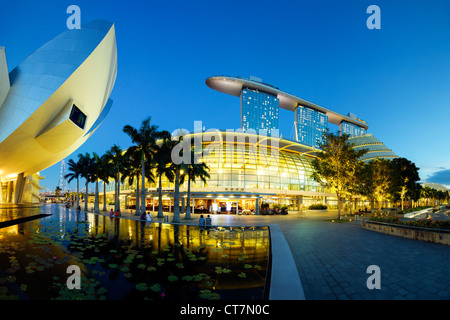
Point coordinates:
[[260, 103]]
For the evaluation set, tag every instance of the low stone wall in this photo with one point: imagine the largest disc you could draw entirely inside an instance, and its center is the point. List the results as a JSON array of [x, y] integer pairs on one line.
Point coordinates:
[[416, 233]]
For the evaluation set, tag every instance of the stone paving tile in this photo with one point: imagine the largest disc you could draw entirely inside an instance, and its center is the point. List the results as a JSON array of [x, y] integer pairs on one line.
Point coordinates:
[[342, 252]]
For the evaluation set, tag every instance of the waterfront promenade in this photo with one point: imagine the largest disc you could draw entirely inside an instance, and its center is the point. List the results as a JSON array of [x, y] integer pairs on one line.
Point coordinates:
[[332, 258]]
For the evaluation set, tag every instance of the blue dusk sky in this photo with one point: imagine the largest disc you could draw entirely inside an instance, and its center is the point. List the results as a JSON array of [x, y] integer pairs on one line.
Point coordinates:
[[397, 78]]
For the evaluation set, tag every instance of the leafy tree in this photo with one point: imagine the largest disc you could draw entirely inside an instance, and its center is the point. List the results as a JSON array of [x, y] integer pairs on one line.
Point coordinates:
[[335, 168], [415, 192], [405, 175], [381, 178]]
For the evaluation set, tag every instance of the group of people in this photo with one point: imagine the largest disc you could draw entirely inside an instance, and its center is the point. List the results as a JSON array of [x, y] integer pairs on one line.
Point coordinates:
[[204, 222], [146, 216], [114, 214]]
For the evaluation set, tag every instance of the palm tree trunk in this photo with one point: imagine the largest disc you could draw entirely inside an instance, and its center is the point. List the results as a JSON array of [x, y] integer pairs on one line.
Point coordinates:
[[176, 197], [143, 200], [78, 193], [96, 205], [115, 194], [104, 196], [160, 210], [137, 212], [118, 191], [188, 200], [86, 197]]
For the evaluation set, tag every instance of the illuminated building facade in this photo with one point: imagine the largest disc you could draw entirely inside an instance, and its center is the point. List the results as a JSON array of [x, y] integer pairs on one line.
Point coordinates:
[[248, 168], [245, 171]]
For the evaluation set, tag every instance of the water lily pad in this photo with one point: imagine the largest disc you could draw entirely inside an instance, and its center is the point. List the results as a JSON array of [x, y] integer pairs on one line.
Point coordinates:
[[197, 278], [156, 287], [112, 265], [187, 278], [242, 275], [172, 278], [151, 268], [205, 294], [141, 266], [248, 266], [141, 286], [214, 296]]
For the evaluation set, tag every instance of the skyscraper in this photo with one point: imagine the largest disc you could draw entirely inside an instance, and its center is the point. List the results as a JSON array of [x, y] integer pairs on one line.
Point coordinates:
[[310, 125], [351, 129], [259, 110]]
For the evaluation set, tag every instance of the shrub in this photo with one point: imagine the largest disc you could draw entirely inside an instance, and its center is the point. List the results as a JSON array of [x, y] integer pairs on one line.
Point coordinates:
[[428, 223], [317, 207], [413, 209]]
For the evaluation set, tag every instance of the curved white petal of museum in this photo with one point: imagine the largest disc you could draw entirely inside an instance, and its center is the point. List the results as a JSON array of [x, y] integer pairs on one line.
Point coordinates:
[[51, 103]]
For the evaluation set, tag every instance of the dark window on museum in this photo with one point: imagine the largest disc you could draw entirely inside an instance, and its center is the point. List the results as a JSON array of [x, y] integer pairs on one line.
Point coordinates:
[[78, 117]]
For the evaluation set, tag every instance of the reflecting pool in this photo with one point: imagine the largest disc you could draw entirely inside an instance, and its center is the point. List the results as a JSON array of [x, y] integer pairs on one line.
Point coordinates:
[[129, 259]]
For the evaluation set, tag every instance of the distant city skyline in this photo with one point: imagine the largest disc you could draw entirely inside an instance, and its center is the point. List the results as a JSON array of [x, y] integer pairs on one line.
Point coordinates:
[[395, 78]]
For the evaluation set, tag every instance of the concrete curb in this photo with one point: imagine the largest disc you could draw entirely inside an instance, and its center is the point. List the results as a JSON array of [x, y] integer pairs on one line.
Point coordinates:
[[285, 282]]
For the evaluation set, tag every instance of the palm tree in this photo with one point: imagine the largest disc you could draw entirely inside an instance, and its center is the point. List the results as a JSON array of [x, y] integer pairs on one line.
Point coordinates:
[[144, 140], [74, 173], [115, 156], [96, 164], [87, 170], [162, 163], [105, 172], [132, 169], [176, 139], [192, 171], [58, 191]]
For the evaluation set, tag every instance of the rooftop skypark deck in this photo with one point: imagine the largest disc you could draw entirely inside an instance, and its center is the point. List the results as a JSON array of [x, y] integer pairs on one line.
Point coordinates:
[[234, 86]]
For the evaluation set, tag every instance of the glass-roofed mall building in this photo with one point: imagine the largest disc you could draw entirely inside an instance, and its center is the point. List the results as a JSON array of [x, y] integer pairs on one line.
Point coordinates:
[[254, 165]]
